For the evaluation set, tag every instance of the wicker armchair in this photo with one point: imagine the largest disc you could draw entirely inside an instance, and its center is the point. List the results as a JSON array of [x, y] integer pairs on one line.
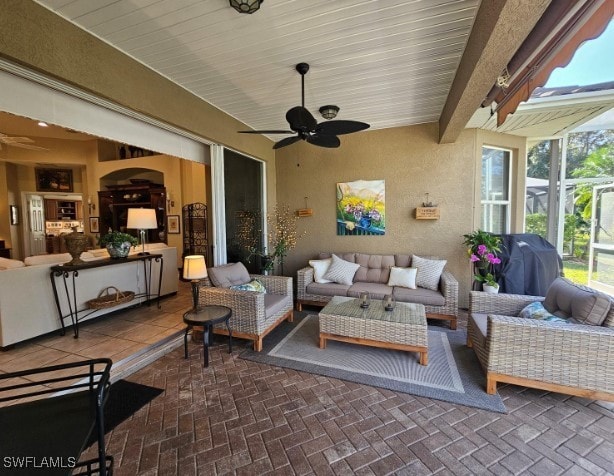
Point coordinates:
[[254, 315], [574, 359]]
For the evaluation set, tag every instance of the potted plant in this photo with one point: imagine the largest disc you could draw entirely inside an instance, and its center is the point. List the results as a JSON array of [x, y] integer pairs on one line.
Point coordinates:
[[482, 250], [118, 244], [489, 283]]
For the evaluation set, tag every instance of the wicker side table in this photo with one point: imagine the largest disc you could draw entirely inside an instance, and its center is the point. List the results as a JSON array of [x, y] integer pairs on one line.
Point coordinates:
[[403, 328]]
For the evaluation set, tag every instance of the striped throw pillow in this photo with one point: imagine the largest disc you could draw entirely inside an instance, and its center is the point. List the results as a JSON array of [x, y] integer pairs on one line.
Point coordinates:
[[429, 271], [341, 271]]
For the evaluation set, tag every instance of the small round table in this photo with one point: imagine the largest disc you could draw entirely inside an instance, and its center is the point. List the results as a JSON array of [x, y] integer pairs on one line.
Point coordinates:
[[207, 317]]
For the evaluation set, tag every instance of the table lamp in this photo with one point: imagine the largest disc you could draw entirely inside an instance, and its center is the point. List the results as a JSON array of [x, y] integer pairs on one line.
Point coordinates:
[[194, 269], [142, 219]]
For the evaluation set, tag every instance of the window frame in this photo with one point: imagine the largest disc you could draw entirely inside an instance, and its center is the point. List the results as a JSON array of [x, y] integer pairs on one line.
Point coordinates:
[[506, 203]]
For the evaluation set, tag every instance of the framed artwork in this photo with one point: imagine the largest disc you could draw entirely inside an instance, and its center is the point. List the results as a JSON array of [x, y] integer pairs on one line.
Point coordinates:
[[53, 180], [173, 224], [361, 207], [94, 225], [14, 212]]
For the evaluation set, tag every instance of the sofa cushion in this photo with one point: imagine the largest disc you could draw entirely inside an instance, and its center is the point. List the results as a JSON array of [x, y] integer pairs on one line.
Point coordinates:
[[536, 310], [320, 267], [373, 268], [402, 261], [254, 285], [375, 290], [351, 257], [6, 263], [582, 304], [429, 271], [404, 277], [330, 289], [228, 275], [428, 297], [341, 271]]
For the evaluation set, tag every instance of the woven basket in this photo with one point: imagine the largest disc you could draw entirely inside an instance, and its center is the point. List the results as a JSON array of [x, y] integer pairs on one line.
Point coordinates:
[[106, 299]]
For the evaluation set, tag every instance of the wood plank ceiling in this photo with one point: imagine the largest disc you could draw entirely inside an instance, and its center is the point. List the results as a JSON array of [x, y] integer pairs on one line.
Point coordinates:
[[386, 62]]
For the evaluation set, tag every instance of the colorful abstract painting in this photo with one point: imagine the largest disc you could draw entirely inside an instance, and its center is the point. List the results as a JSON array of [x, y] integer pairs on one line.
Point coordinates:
[[361, 207]]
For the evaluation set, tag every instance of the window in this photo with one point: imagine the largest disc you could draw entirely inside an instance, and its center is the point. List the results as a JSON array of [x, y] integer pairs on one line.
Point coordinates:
[[495, 198]]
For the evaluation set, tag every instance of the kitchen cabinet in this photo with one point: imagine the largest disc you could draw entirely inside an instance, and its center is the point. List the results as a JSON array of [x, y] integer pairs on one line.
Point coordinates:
[[115, 202], [56, 210]]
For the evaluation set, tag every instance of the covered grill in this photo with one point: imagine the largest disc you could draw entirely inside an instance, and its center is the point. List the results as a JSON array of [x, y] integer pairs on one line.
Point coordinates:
[[529, 264]]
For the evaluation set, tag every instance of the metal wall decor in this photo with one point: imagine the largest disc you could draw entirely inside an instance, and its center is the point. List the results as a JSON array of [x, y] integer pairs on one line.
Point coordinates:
[[195, 240]]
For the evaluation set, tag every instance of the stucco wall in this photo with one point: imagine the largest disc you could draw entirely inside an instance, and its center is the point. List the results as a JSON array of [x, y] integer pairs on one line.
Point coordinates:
[[412, 163]]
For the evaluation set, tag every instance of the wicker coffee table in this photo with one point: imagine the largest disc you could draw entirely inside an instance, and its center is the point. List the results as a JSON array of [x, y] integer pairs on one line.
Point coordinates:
[[403, 328]]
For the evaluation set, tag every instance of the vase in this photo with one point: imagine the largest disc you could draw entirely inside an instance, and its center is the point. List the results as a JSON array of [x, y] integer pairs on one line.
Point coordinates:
[[120, 251], [75, 244], [490, 289]]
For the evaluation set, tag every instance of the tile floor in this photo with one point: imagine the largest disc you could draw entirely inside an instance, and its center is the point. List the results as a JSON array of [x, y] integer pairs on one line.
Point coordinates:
[[245, 418]]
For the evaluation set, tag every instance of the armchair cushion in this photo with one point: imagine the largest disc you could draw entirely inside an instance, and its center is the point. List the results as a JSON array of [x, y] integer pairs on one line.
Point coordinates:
[[274, 303], [228, 275], [585, 305]]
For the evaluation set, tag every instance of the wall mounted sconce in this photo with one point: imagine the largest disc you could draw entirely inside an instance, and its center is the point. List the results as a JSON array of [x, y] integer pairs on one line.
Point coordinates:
[[170, 203], [90, 205]]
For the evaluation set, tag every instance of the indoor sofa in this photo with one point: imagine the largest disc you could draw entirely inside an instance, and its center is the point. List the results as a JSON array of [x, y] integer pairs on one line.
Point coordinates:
[[27, 303], [562, 343], [372, 276]]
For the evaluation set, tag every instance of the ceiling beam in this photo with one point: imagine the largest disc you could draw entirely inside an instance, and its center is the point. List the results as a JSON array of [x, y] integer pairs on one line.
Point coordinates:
[[499, 29]]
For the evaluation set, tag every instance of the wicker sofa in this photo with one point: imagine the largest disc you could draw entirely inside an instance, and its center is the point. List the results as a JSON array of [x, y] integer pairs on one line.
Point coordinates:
[[254, 314], [372, 276], [576, 359]]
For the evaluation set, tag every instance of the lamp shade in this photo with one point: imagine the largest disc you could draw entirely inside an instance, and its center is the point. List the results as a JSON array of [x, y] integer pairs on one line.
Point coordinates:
[[142, 219], [194, 267]]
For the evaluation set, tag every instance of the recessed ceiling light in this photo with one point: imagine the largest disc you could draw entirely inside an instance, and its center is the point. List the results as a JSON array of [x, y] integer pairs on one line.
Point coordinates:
[[43, 124]]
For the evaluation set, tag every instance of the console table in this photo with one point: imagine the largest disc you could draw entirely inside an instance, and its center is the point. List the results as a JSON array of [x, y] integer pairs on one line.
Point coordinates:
[[69, 273]]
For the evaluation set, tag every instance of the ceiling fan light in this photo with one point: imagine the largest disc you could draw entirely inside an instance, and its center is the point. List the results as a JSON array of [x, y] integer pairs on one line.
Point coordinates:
[[246, 6], [329, 112]]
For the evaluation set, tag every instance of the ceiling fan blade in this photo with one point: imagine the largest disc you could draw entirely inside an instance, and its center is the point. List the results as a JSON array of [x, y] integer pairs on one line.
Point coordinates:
[[324, 140], [301, 120], [286, 141], [14, 140], [266, 132], [340, 127]]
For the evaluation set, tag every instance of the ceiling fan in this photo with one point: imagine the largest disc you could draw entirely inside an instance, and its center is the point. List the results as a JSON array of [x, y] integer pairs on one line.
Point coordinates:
[[306, 128], [23, 142]]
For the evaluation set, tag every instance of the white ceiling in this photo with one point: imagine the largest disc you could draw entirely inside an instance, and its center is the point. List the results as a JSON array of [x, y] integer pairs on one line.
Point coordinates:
[[385, 62]]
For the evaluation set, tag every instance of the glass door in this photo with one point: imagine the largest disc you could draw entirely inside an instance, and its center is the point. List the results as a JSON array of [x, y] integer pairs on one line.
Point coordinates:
[[243, 197]]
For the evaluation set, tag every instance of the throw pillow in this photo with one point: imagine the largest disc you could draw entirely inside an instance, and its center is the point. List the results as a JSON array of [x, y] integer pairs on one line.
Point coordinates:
[[228, 275], [404, 277], [341, 271], [536, 310], [320, 267], [429, 271], [254, 285]]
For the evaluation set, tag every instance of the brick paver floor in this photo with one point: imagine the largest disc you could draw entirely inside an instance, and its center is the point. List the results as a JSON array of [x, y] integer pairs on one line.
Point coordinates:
[[245, 418]]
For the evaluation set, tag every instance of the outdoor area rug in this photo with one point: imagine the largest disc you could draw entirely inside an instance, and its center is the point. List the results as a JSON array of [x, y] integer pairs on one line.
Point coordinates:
[[453, 374]]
